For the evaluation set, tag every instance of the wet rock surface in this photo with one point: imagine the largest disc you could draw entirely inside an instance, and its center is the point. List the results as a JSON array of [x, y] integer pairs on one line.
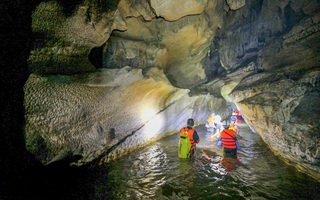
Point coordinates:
[[283, 112], [107, 113], [261, 55]]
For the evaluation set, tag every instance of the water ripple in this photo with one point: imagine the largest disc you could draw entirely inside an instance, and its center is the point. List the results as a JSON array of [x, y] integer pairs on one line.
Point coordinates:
[[155, 172]]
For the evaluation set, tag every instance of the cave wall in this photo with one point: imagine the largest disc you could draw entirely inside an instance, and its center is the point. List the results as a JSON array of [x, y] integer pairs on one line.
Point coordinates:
[[279, 80], [52, 115], [262, 55], [112, 109], [65, 33]]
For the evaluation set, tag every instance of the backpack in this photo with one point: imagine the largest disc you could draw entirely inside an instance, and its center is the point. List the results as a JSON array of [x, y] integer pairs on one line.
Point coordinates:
[[184, 145]]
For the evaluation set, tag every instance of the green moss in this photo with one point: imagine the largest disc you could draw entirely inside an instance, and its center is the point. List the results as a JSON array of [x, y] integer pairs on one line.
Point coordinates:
[[47, 17]]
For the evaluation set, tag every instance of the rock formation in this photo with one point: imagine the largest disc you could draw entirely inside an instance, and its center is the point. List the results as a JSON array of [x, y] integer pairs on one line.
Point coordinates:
[[116, 109], [171, 60]]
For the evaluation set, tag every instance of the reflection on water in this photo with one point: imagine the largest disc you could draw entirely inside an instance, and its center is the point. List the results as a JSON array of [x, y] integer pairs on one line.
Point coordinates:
[[156, 172]]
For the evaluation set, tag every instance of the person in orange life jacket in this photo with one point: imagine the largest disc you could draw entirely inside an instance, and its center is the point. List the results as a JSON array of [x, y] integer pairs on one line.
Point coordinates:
[[228, 137], [192, 134]]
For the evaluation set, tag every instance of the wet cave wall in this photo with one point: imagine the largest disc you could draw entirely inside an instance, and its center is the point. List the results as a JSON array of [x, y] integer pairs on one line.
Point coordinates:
[[104, 75]]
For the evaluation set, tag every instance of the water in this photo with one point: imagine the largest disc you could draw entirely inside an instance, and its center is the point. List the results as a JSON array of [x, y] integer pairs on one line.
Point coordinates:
[[155, 172]]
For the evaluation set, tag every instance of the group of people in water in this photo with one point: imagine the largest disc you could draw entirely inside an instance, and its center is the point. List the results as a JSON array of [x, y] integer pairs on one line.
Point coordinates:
[[224, 133]]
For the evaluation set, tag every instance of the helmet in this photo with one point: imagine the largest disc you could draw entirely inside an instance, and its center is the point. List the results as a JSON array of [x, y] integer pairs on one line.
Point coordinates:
[[226, 125], [190, 122]]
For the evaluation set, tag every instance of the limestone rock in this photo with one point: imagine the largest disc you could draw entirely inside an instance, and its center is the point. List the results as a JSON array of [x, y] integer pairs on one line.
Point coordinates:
[[284, 109], [136, 9], [174, 10], [261, 55], [106, 113], [63, 40], [236, 4]]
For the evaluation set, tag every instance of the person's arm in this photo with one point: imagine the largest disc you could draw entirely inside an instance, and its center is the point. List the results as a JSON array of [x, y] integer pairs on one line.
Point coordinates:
[[235, 135], [196, 137]]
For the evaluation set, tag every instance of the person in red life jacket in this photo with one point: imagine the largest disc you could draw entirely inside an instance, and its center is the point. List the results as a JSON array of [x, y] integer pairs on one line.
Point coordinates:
[[192, 134], [228, 137], [236, 112]]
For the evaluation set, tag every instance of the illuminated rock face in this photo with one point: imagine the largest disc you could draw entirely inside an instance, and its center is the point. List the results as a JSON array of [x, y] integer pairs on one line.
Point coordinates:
[[116, 109], [185, 57]]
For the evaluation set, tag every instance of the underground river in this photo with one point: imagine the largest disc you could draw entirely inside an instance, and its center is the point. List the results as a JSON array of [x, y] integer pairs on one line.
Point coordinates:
[[156, 172]]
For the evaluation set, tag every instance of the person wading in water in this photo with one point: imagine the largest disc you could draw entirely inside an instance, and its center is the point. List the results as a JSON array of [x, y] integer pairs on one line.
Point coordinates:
[[188, 139], [229, 141]]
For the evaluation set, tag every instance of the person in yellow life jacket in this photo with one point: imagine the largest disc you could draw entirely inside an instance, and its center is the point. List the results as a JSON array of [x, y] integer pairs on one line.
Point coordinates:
[[229, 141], [193, 138], [213, 124], [234, 127], [234, 124], [210, 123]]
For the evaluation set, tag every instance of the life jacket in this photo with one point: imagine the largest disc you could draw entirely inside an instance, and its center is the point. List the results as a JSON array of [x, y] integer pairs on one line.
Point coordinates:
[[186, 143], [234, 127], [228, 139], [190, 132], [210, 122]]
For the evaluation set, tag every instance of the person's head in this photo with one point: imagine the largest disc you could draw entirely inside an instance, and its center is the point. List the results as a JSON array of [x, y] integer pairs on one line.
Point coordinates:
[[226, 125], [190, 122]]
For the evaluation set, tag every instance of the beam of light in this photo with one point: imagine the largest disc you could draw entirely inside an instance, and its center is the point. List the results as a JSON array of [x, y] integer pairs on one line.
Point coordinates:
[[147, 113], [154, 122]]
